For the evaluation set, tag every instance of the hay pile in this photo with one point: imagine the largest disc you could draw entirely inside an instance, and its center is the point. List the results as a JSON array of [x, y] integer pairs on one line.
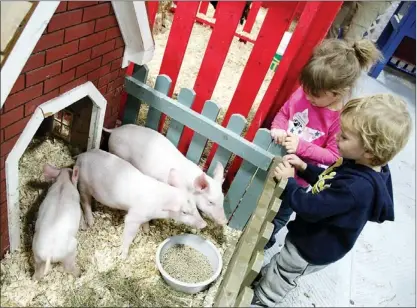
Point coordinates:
[[106, 280]]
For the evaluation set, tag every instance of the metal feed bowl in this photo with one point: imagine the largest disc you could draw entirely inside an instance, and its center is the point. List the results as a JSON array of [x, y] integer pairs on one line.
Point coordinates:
[[202, 245]]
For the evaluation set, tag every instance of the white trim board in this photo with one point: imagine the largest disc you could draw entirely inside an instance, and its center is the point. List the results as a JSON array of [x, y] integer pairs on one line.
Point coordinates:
[[24, 46], [43, 111], [133, 23]]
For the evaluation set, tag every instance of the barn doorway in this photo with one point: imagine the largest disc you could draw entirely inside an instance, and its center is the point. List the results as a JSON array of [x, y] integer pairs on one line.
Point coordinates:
[[58, 130]]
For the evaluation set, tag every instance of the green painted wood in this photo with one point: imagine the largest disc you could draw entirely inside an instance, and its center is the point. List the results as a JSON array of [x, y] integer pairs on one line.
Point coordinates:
[[244, 175], [236, 124], [132, 105], [199, 142], [185, 98], [162, 85], [248, 203], [244, 299], [238, 265], [255, 265], [200, 124]]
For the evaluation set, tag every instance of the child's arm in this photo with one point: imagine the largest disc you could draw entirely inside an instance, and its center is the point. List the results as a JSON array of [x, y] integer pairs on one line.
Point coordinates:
[[281, 119], [325, 156], [308, 172], [331, 201]]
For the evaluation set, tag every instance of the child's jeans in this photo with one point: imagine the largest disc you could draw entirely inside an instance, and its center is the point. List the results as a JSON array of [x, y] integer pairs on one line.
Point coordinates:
[[280, 276]]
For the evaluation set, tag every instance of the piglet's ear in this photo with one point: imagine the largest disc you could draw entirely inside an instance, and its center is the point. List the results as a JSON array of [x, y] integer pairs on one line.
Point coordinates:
[[75, 175], [201, 183], [175, 179], [218, 173], [50, 172]]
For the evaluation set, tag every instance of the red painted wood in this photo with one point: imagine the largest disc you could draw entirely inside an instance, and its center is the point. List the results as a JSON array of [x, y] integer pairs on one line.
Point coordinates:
[[310, 31], [253, 12], [213, 60], [152, 8], [299, 9], [179, 36], [204, 7], [273, 28], [241, 37]]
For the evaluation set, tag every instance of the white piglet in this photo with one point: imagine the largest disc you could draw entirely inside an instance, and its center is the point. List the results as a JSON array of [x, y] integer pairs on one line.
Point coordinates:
[[115, 183], [154, 155], [58, 223]]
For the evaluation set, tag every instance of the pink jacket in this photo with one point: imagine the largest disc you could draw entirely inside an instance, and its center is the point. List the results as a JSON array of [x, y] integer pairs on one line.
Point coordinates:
[[317, 128]]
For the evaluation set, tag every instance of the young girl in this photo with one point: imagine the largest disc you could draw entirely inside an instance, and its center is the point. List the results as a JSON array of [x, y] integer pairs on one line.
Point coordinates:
[[308, 122]]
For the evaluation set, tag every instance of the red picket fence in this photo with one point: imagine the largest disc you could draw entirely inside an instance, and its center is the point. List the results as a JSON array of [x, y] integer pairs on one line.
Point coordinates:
[[314, 21]]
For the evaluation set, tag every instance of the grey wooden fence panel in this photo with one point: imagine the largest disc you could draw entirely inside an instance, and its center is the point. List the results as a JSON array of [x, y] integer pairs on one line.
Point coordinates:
[[133, 103], [199, 142], [186, 98], [236, 124], [200, 124], [162, 85], [244, 175]]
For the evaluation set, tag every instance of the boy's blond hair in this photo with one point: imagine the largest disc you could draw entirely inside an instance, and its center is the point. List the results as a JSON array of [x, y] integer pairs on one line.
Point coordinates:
[[336, 65], [382, 122]]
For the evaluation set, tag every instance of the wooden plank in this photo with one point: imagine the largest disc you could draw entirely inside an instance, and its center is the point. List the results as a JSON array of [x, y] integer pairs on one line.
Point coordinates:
[[236, 124], [14, 15], [266, 233], [242, 38], [176, 46], [203, 7], [244, 298], [152, 8], [273, 211], [238, 265], [244, 175], [185, 98], [198, 143], [255, 266], [214, 57], [215, 132], [248, 203], [253, 13], [162, 85], [132, 105], [273, 28]]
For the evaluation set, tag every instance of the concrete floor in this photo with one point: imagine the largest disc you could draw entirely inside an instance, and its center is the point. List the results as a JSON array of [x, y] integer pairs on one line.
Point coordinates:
[[380, 269]]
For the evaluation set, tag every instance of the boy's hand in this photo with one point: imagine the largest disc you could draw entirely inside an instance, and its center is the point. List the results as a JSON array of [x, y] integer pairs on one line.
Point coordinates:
[[291, 143], [296, 162], [284, 171], [278, 135]]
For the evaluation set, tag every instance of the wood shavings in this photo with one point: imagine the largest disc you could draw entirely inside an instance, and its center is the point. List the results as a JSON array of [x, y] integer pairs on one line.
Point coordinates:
[[106, 280]]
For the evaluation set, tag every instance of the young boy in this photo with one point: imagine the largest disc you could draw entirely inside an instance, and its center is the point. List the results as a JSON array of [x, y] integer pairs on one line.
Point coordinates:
[[354, 190]]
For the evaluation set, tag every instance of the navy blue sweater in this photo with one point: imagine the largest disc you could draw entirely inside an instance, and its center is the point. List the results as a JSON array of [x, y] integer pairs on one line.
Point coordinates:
[[330, 218]]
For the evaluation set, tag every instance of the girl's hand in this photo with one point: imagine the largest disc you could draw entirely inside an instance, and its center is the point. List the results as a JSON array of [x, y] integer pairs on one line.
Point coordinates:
[[291, 143], [278, 135], [284, 171], [296, 162]]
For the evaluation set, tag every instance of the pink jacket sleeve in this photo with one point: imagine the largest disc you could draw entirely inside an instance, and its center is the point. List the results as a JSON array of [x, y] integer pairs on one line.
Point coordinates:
[[327, 155], [282, 117]]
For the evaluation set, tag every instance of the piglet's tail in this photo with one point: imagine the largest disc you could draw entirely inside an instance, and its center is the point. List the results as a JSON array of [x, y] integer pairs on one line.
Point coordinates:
[[366, 53]]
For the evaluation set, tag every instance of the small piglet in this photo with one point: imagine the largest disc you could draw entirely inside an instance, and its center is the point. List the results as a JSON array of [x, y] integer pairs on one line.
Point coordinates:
[[115, 183], [154, 155], [58, 222]]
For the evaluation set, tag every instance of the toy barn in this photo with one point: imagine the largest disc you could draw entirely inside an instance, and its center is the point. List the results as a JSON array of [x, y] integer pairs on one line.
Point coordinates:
[[210, 79]]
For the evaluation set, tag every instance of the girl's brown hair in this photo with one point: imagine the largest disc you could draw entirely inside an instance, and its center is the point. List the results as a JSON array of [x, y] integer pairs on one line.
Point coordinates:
[[335, 65]]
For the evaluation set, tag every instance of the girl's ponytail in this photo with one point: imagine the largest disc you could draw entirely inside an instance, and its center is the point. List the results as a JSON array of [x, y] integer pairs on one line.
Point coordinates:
[[366, 53]]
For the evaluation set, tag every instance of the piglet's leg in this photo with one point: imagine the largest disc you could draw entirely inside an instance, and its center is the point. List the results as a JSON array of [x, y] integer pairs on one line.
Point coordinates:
[[39, 269], [145, 227], [86, 204], [69, 262], [132, 225]]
